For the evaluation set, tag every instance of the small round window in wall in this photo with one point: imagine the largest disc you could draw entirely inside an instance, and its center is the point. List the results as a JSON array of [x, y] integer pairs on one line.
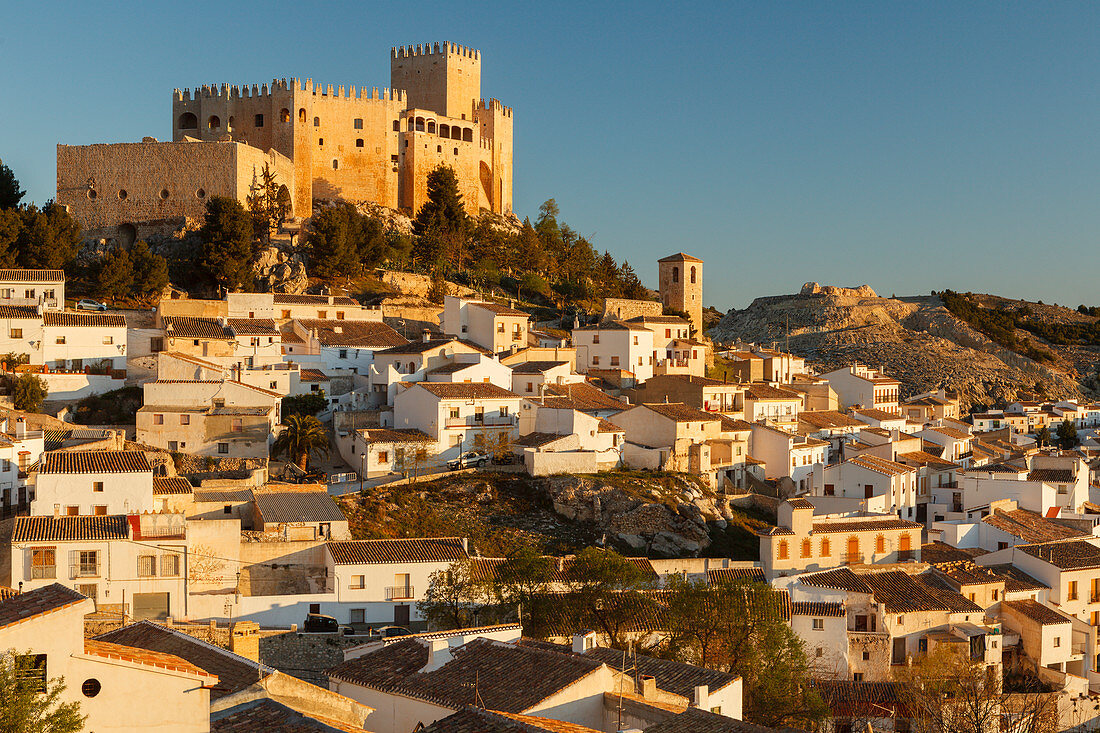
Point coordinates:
[[122, 195], [91, 687], [92, 194], [164, 193], [201, 193]]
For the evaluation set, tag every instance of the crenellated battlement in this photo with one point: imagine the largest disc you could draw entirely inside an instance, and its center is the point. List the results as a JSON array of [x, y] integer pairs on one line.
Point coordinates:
[[494, 105], [435, 49], [227, 91]]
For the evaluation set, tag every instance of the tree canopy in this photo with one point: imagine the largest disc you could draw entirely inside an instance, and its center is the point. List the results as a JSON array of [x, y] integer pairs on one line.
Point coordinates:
[[228, 247], [30, 703], [10, 193]]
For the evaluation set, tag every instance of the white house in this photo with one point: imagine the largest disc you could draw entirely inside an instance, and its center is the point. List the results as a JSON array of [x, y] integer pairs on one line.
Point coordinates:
[[106, 679], [332, 345], [33, 288], [860, 386], [788, 454], [867, 478], [102, 482], [380, 581], [489, 325], [74, 340], [286, 306], [458, 417], [615, 345]]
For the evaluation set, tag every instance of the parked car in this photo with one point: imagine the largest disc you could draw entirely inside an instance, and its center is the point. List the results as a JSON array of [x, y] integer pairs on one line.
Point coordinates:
[[388, 632], [90, 305], [504, 459], [318, 623], [467, 459]]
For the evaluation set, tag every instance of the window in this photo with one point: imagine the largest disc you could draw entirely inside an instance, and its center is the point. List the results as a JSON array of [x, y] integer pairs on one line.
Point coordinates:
[[60, 340], [596, 338], [87, 564], [158, 419], [383, 456], [223, 448], [28, 293], [614, 361], [996, 594], [595, 361], [97, 486], [99, 510], [826, 548], [258, 120], [359, 142], [358, 616], [322, 315], [866, 656], [454, 413], [286, 314], [43, 564], [358, 123], [185, 419], [170, 565], [173, 445], [108, 340], [358, 581], [72, 511], [1071, 591], [784, 550], [91, 590], [807, 548], [819, 624], [16, 333], [1057, 642], [856, 677], [343, 354], [238, 425], [335, 164], [397, 125], [32, 667], [227, 509], [147, 566], [880, 544], [320, 142]]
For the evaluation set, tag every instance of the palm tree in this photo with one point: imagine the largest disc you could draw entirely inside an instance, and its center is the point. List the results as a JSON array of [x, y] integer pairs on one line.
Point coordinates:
[[302, 436]]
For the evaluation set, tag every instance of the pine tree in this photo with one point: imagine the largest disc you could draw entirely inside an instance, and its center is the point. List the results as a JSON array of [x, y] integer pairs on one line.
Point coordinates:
[[227, 243], [10, 193], [442, 226], [49, 238], [150, 269]]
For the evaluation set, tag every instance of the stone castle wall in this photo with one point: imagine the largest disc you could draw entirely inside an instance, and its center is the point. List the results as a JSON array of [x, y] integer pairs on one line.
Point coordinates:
[[621, 309]]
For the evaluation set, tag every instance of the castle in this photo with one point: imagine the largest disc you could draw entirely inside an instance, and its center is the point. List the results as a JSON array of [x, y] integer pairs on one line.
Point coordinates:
[[323, 142]]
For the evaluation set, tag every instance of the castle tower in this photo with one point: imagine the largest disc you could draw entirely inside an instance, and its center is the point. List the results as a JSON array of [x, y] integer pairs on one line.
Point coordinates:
[[442, 77], [680, 279]]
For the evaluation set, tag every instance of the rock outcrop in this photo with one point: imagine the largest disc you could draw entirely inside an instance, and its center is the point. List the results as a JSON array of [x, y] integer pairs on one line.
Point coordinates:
[[644, 516], [916, 339]]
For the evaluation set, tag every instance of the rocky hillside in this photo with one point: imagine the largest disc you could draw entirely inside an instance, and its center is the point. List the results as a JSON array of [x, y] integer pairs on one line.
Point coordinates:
[[916, 339]]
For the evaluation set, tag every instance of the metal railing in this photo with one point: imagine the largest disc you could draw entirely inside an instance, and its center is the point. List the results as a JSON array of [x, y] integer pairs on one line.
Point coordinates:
[[486, 422], [851, 558], [84, 570], [399, 593], [43, 572]]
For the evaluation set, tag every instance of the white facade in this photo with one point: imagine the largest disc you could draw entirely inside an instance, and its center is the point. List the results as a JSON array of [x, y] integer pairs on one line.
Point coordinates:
[[63, 492], [454, 415], [615, 346]]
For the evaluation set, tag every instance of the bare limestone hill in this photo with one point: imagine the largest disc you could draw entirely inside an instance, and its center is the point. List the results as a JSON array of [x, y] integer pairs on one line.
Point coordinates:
[[915, 339]]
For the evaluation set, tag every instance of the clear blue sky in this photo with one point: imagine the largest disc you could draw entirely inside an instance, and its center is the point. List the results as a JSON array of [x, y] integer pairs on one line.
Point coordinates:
[[911, 146]]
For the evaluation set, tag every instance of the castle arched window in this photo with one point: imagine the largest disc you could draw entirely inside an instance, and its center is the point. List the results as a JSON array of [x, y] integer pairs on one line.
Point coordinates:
[[359, 142], [444, 130], [693, 274], [284, 115], [188, 121], [431, 126], [456, 151], [357, 123], [230, 126], [467, 135], [335, 164], [456, 133], [397, 125], [412, 124], [214, 122], [675, 274], [316, 121], [301, 114], [439, 148], [420, 124]]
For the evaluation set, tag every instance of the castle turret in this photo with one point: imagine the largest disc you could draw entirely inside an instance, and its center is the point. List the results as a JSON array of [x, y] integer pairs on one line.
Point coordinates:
[[442, 77], [680, 278]]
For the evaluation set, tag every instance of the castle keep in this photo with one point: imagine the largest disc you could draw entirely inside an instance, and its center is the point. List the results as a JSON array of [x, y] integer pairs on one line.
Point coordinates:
[[325, 142]]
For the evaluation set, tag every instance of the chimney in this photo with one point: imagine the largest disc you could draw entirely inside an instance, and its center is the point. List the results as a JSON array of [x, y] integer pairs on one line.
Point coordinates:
[[20, 428], [583, 641], [702, 697], [648, 683], [425, 335], [439, 653], [244, 640]]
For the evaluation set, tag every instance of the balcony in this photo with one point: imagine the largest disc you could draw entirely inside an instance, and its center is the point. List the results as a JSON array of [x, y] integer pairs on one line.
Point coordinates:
[[44, 572], [84, 570], [851, 558], [399, 593], [472, 421]]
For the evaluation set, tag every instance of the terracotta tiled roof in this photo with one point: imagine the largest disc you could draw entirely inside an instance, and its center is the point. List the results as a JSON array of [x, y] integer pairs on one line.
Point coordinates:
[[775, 532], [100, 461], [500, 310], [312, 375], [730, 425], [680, 257], [234, 672], [882, 465], [902, 593], [829, 419], [679, 412], [768, 392], [467, 390], [395, 435], [1029, 526], [1016, 579], [581, 396], [173, 485], [509, 677], [362, 552], [871, 525], [611, 325], [32, 276], [839, 579], [1071, 555], [876, 414], [952, 433], [735, 575], [969, 573], [1052, 475], [297, 506], [850, 699], [23, 606], [270, 716], [19, 312], [253, 326], [800, 503], [109, 650], [80, 319], [355, 334], [817, 608], [419, 346], [1037, 612], [192, 327], [66, 529], [477, 720], [695, 720], [923, 458], [289, 299], [536, 367], [675, 677]]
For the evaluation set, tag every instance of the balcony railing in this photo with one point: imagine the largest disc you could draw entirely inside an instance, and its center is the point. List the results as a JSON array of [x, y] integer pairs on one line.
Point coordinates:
[[84, 570], [44, 572], [1079, 648], [487, 422], [399, 593], [851, 558]]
